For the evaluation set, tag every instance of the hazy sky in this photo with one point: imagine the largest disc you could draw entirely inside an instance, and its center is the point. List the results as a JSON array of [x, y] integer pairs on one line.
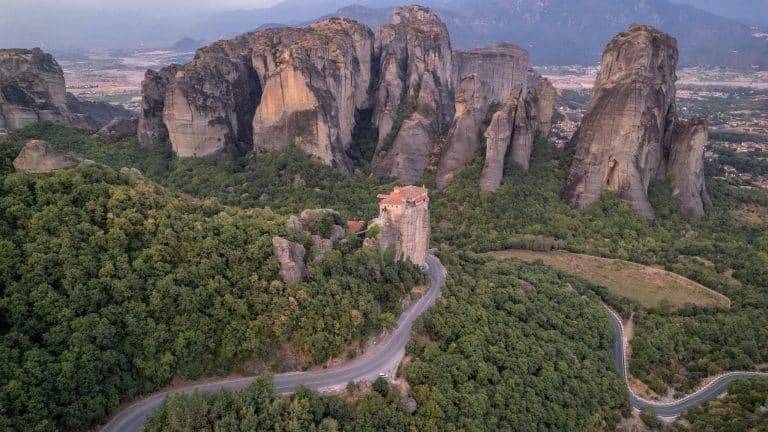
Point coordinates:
[[165, 6]]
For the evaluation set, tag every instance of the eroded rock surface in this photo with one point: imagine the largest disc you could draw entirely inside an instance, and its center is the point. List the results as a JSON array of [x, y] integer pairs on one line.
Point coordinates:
[[620, 143], [151, 128], [290, 255], [544, 105], [487, 78], [685, 167], [414, 100], [120, 127], [38, 156], [310, 99], [32, 90], [498, 137]]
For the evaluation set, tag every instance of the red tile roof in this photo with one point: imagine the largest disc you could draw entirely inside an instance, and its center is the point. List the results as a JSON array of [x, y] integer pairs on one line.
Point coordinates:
[[402, 195]]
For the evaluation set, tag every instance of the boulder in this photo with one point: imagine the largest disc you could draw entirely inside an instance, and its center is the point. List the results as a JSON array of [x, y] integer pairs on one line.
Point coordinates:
[[620, 143], [290, 256], [498, 137], [414, 100], [209, 102], [685, 167], [38, 156], [294, 223], [119, 128]]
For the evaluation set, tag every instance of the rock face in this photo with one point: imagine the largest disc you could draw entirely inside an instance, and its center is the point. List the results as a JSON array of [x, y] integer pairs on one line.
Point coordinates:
[[120, 127], [265, 90], [310, 99], [209, 102], [38, 156], [544, 105], [686, 167], [404, 223], [626, 138], [151, 128], [498, 137], [290, 255], [414, 101], [487, 77], [32, 90], [95, 114]]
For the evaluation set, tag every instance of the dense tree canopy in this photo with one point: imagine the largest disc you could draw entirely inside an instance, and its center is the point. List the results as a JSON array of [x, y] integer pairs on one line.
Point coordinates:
[[112, 286], [536, 357]]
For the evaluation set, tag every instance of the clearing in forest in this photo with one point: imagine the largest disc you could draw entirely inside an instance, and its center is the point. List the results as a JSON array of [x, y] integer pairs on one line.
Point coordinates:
[[645, 285]]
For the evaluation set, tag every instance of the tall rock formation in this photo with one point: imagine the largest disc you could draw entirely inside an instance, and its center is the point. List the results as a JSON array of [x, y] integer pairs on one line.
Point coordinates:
[[685, 167], [624, 138], [310, 99], [414, 101], [487, 77], [544, 100], [32, 90], [404, 223], [264, 90], [151, 128]]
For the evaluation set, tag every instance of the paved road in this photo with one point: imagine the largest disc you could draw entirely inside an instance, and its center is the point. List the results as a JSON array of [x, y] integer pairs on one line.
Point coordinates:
[[382, 358], [669, 409], [387, 354]]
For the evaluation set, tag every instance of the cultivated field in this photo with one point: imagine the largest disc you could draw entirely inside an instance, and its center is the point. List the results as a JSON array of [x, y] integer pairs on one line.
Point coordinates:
[[645, 285]]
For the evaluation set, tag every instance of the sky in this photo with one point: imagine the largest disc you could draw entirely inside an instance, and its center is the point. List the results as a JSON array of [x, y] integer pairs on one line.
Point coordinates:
[[159, 6]]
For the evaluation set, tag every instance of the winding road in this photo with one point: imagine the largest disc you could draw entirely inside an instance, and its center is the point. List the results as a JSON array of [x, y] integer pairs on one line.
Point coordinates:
[[383, 359]]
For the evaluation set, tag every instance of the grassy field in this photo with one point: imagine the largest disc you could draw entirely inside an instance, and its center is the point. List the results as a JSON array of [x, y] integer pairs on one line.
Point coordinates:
[[645, 285]]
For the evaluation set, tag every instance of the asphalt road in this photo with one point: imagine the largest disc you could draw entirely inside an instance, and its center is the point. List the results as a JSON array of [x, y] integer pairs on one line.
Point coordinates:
[[669, 409], [382, 358]]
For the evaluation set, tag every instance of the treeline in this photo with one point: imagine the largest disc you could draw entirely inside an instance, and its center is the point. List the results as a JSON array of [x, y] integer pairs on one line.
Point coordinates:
[[536, 357], [111, 287]]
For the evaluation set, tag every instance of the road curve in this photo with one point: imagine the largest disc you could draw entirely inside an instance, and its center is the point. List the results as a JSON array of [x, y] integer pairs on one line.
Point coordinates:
[[674, 408], [382, 358]]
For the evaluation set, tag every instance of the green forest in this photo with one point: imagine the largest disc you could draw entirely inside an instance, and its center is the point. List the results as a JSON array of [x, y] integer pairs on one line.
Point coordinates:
[[725, 251], [535, 358], [111, 287]]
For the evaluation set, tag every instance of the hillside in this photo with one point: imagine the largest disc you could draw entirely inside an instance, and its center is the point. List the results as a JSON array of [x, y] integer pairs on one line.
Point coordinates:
[[111, 286]]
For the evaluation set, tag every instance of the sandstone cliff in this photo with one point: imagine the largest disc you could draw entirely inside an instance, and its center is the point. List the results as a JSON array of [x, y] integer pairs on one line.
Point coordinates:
[[39, 157], [310, 99], [487, 77], [498, 137], [32, 90], [619, 144], [686, 167], [414, 100], [623, 153], [290, 256]]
